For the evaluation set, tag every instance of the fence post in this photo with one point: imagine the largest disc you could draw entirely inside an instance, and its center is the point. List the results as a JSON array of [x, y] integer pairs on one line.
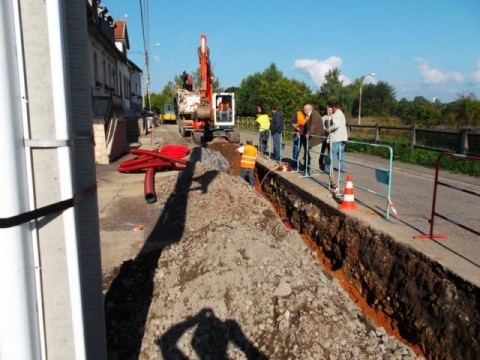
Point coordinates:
[[413, 137], [377, 133], [464, 141]]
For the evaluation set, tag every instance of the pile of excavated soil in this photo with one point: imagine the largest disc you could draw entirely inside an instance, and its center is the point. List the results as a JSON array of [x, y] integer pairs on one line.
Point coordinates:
[[228, 150], [221, 277]]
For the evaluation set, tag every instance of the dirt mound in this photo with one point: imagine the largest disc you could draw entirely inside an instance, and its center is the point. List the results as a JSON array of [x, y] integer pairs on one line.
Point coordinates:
[[228, 150]]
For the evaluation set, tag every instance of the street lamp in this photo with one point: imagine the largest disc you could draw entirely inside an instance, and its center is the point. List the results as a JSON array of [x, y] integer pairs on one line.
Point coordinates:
[[360, 96]]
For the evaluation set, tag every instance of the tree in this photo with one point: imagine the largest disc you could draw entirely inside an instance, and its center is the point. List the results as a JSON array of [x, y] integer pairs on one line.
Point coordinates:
[[250, 93], [333, 91], [271, 88], [378, 99], [332, 88], [420, 111], [164, 97], [463, 112]]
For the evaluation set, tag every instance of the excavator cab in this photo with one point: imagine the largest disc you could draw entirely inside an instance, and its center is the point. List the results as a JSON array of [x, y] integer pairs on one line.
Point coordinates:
[[223, 108]]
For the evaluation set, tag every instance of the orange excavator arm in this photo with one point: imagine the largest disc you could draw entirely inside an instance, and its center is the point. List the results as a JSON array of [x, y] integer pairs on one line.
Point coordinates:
[[206, 74]]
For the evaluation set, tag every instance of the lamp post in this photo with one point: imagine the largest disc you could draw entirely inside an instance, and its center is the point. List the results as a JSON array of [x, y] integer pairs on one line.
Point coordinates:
[[360, 96]]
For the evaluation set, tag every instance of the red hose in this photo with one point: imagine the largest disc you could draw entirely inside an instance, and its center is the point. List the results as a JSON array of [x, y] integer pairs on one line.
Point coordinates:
[[169, 157], [149, 186]]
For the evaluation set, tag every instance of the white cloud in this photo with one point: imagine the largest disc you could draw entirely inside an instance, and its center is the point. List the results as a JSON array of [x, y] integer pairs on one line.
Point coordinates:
[[476, 73], [437, 76], [317, 69]]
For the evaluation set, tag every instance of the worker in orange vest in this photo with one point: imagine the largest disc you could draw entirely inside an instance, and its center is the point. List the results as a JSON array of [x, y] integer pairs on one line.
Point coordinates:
[[247, 162], [298, 121]]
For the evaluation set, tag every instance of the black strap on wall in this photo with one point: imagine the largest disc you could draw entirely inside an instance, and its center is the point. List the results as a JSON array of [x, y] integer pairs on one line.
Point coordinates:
[[47, 210]]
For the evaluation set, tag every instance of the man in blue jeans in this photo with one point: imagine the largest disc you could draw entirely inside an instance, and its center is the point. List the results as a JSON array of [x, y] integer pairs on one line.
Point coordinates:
[[338, 138], [276, 129]]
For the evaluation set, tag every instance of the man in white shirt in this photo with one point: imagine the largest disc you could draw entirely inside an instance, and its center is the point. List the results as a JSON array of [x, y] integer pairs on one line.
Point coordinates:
[[338, 137]]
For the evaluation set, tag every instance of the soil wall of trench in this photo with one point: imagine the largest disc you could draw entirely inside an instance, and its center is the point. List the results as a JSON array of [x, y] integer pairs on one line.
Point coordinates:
[[424, 303]]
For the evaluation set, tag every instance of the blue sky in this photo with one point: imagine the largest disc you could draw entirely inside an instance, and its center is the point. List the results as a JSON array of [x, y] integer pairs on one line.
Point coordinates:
[[427, 48]]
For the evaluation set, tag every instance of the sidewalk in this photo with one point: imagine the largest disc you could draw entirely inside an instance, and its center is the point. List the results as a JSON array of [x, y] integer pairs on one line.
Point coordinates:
[[125, 218]]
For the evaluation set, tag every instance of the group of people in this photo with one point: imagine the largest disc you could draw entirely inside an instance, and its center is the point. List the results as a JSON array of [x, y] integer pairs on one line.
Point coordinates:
[[322, 139]]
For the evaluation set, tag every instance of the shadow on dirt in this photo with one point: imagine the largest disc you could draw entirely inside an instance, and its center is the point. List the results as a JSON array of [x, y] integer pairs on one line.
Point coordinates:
[[210, 339], [128, 300]]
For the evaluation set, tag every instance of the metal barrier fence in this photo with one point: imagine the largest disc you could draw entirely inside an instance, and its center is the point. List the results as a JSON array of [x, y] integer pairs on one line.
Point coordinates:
[[382, 175], [464, 141], [431, 234], [311, 167]]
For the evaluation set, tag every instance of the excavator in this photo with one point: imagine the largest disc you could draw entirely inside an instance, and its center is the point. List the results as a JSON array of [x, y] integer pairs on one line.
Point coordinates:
[[202, 113]]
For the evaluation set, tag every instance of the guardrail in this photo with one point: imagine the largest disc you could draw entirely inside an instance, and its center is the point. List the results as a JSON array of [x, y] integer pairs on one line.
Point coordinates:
[[431, 234], [461, 141], [382, 175]]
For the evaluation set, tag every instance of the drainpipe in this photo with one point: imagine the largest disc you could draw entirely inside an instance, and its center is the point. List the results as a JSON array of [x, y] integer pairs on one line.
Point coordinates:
[[58, 59], [19, 327]]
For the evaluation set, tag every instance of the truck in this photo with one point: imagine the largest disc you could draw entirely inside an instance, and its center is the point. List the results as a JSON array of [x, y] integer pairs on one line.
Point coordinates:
[[168, 115], [202, 113]]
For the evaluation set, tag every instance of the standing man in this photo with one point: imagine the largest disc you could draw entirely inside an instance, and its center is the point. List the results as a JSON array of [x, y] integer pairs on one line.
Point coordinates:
[[247, 162], [327, 122], [184, 79], [313, 131], [338, 138], [298, 121], [276, 129], [263, 122]]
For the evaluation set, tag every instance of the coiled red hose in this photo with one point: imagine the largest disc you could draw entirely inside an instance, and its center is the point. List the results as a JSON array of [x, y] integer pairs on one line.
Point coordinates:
[[169, 157]]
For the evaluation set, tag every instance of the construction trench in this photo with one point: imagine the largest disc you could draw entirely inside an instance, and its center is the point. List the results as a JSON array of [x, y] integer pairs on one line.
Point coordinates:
[[413, 298]]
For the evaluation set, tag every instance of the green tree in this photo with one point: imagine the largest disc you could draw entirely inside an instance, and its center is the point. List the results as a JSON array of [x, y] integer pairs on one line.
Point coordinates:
[[378, 99], [164, 97], [463, 112], [271, 88], [333, 91], [420, 111]]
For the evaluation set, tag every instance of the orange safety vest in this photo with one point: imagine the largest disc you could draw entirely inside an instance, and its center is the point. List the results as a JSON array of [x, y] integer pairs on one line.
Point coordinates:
[[300, 118], [248, 157]]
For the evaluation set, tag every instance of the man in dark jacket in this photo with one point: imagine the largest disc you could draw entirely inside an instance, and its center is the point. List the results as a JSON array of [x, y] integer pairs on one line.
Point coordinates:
[[276, 129], [313, 131]]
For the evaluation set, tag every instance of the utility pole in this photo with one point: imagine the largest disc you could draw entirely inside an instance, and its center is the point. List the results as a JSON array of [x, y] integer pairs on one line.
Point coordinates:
[[360, 96]]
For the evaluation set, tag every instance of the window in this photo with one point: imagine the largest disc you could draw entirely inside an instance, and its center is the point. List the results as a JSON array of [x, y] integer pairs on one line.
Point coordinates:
[[104, 68], [114, 81], [95, 69], [120, 87]]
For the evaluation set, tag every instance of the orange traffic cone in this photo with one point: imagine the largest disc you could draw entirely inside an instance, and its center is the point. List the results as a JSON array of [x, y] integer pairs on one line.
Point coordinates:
[[348, 202]]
